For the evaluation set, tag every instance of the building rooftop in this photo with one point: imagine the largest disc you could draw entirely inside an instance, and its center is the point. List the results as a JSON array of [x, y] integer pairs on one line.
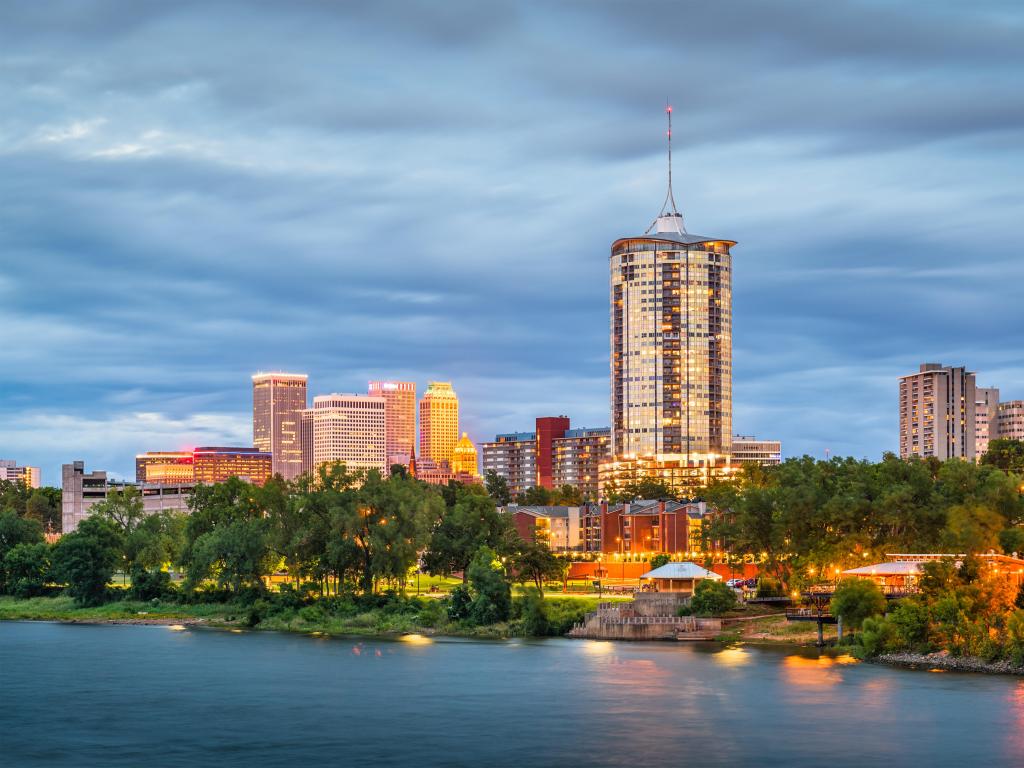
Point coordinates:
[[681, 571], [681, 238]]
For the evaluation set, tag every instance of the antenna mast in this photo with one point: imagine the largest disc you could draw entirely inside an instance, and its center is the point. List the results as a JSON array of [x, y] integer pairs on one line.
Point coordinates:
[[668, 208]]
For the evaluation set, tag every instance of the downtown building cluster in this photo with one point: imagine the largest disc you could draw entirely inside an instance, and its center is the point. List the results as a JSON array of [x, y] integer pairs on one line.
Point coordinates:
[[945, 415]]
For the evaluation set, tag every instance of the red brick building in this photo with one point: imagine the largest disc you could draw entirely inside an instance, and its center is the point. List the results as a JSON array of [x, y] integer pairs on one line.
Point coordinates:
[[643, 527], [549, 428]]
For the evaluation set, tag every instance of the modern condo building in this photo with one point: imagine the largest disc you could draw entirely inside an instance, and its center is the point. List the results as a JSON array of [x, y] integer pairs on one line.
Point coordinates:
[[514, 457], [1011, 420], [937, 406], [747, 448], [578, 455], [671, 350], [278, 400]]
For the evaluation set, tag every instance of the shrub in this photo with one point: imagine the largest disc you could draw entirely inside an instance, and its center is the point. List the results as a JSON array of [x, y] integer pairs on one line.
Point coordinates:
[[150, 585], [533, 614], [910, 621], [659, 560], [25, 569], [879, 635], [769, 587], [712, 598], [855, 600], [432, 613], [458, 602], [492, 599]]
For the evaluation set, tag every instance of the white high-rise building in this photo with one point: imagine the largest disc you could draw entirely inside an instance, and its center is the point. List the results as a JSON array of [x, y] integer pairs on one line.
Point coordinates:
[[350, 429]]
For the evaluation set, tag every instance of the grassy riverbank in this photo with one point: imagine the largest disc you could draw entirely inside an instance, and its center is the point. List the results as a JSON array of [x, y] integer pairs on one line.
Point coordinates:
[[427, 616]]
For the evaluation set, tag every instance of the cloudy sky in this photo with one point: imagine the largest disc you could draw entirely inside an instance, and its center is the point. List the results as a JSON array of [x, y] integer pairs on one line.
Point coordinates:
[[191, 192]]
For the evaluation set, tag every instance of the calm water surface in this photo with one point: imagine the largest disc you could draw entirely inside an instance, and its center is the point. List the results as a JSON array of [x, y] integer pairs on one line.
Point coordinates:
[[151, 696]]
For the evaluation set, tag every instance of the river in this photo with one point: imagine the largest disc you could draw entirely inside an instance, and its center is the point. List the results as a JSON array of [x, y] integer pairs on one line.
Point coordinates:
[[80, 695]]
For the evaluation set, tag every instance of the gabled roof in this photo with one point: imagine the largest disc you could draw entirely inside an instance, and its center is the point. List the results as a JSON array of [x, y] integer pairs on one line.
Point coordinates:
[[539, 511], [902, 568], [681, 571]]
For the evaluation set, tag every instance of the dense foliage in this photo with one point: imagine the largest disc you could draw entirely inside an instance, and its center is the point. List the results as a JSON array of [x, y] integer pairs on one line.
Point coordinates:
[[805, 517]]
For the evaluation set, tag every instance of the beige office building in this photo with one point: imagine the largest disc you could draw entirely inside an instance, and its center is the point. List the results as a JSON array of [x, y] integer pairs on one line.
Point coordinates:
[[986, 418], [747, 448], [937, 406], [278, 400], [399, 416], [1011, 420], [350, 429], [439, 422]]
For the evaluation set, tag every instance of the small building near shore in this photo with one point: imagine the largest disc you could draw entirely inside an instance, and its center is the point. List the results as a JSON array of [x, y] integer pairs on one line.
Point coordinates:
[[680, 578], [900, 575]]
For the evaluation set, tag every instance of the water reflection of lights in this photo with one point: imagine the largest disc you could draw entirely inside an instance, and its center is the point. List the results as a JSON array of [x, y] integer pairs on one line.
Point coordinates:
[[1015, 735], [176, 627], [597, 647], [414, 639], [732, 657], [818, 672]]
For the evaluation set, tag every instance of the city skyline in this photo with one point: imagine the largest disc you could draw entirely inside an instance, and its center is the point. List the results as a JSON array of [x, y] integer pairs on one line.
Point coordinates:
[[206, 231]]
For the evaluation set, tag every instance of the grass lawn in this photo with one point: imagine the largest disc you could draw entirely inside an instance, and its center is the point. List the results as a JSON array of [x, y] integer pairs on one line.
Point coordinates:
[[63, 609]]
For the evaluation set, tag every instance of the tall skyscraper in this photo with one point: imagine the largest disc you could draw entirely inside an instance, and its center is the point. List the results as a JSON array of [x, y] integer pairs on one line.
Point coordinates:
[[937, 413], [439, 422], [986, 418], [278, 400], [399, 416], [350, 429], [671, 348]]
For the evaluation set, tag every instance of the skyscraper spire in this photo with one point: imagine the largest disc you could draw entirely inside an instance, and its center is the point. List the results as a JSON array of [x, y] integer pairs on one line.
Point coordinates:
[[670, 219]]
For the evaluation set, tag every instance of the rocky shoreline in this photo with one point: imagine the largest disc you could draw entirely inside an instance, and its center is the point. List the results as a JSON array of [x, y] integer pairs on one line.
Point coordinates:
[[945, 662]]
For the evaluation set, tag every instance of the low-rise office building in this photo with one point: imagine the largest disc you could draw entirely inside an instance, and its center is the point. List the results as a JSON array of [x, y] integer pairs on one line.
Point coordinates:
[[81, 490], [747, 448], [12, 473]]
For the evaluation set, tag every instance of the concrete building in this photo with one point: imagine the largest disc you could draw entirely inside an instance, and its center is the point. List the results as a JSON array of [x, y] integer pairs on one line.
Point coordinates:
[[165, 497], [11, 472], [278, 400], [767, 453], [986, 418], [514, 457], [577, 459], [350, 429], [937, 413], [439, 422], [671, 347], [464, 458], [399, 418], [81, 490], [216, 464], [441, 474], [1011, 420]]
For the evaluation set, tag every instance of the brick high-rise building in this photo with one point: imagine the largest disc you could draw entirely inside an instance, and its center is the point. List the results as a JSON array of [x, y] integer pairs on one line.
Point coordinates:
[[439, 422], [937, 413], [549, 428], [399, 417], [278, 400]]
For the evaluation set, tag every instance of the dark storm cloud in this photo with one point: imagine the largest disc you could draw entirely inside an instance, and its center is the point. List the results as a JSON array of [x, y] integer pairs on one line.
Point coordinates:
[[192, 191]]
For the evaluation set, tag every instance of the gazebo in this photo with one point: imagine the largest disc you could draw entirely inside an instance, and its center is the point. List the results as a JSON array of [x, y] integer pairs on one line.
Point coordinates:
[[679, 578]]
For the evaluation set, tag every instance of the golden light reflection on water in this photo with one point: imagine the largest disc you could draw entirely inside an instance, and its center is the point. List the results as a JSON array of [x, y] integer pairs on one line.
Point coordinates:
[[732, 657], [176, 627], [598, 647], [414, 639], [1015, 735], [820, 672]]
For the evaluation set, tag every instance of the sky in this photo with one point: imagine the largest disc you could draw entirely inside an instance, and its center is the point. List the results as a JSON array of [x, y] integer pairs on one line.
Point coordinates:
[[191, 192]]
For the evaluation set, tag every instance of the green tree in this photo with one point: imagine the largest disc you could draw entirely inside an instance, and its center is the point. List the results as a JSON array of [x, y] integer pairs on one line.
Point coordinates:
[[659, 560], [85, 560], [470, 523], [227, 536], [973, 527], [855, 600], [533, 613], [492, 597], [538, 496], [534, 561], [25, 569], [645, 488], [497, 488], [15, 530], [1006, 454], [712, 598], [1012, 540]]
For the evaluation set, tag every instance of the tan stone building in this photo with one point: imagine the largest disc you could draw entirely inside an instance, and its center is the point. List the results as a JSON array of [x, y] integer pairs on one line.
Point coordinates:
[[399, 417], [439, 422], [278, 400]]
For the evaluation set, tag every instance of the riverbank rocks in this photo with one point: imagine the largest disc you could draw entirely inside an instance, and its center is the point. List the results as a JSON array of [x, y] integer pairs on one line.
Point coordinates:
[[942, 660]]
